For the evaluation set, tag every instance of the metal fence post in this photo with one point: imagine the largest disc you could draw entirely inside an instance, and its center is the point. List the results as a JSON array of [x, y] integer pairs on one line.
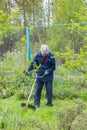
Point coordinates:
[[28, 43]]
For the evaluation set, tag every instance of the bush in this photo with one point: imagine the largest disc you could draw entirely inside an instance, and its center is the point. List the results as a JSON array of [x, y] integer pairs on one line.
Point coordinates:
[[80, 122], [65, 92], [6, 93], [62, 91], [83, 94], [68, 114]]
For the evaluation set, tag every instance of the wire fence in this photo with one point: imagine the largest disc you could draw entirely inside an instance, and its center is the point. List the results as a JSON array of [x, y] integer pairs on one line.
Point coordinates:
[[58, 37]]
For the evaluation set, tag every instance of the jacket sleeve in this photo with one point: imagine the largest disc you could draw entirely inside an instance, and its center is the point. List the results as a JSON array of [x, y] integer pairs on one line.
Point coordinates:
[[53, 65], [33, 64]]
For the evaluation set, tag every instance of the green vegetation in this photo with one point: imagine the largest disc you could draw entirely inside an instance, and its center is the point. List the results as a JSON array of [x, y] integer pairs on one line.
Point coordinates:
[[69, 99], [16, 117], [62, 25]]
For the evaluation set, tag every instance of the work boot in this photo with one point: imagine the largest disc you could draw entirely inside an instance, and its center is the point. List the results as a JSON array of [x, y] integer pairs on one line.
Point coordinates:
[[36, 106], [49, 104]]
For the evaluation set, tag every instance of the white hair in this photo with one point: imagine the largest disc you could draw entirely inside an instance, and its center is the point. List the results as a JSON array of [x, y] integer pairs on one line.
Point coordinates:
[[44, 48]]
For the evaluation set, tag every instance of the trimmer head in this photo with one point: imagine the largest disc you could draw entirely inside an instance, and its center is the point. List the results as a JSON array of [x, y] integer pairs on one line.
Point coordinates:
[[28, 105]]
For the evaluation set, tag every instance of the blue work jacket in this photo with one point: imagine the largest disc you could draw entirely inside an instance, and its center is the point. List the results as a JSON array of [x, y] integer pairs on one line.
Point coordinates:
[[48, 65]]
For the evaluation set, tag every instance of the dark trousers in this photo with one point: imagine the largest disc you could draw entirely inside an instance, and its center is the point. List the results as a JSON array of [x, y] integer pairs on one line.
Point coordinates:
[[39, 87]]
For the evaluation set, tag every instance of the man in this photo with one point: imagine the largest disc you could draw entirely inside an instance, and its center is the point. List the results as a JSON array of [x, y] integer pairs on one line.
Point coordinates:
[[45, 62]]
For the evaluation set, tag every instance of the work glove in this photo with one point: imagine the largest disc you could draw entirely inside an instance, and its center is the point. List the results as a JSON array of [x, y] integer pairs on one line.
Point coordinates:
[[26, 72], [46, 72]]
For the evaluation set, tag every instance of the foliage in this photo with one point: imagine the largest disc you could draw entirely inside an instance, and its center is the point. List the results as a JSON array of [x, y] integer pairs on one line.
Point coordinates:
[[11, 76], [68, 114], [63, 14], [75, 63], [69, 44], [80, 122], [70, 90], [8, 22]]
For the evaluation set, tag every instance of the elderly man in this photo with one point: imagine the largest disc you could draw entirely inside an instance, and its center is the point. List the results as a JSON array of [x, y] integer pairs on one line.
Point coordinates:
[[45, 61]]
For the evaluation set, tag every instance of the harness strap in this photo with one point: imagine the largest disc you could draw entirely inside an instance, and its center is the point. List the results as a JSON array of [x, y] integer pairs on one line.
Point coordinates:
[[44, 60]]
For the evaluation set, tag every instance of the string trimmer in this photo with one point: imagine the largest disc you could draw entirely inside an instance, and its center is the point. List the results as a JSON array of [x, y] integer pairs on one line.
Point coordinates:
[[27, 104]]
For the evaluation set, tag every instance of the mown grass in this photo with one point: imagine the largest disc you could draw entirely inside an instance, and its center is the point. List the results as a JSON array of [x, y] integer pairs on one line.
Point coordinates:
[[16, 117]]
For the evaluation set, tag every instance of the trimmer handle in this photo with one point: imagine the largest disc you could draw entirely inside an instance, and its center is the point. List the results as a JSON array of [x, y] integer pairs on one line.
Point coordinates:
[[27, 73]]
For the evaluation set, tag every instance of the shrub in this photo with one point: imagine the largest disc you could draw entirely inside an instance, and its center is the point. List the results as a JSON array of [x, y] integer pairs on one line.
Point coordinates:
[[68, 114], [66, 92], [83, 94], [80, 122]]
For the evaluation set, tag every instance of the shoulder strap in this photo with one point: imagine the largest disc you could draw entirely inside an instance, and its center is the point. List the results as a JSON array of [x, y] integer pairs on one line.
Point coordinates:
[[44, 60]]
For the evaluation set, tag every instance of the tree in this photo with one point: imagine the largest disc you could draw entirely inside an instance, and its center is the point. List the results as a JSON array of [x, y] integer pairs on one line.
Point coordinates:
[[29, 10], [65, 10], [3, 5]]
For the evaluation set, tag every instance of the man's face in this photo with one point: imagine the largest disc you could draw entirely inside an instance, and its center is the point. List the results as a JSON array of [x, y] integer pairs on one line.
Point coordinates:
[[44, 52]]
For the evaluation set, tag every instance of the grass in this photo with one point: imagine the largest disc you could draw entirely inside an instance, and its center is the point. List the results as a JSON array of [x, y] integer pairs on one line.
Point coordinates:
[[15, 117]]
